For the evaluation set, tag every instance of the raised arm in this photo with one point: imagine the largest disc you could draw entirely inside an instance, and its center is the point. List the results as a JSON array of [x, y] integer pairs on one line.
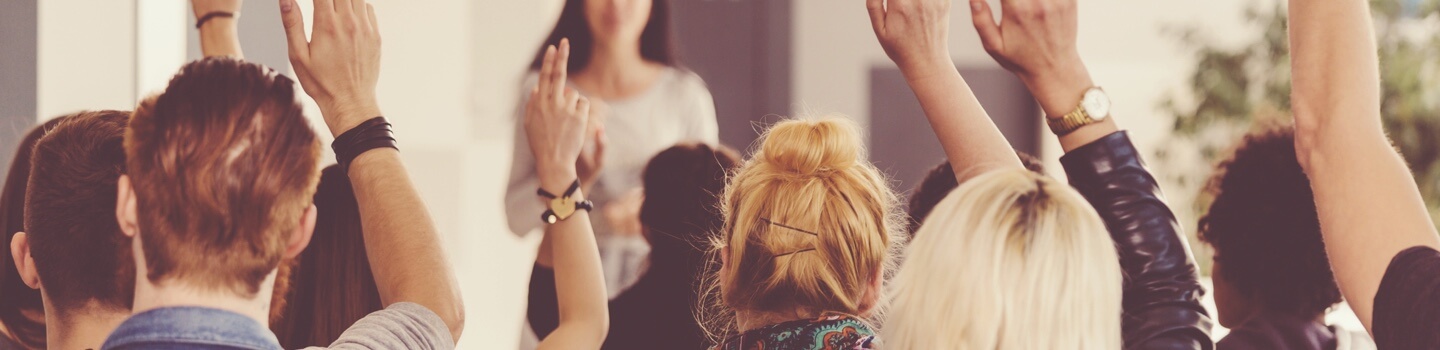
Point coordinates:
[[219, 35], [555, 124], [1369, 206], [915, 34], [340, 68]]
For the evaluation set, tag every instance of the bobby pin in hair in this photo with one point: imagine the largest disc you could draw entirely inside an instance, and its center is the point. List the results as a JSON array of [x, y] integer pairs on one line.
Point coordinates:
[[777, 256], [767, 221]]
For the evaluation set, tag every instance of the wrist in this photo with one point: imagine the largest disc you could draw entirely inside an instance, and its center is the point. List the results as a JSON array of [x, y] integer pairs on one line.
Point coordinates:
[[936, 66], [343, 116], [1059, 90], [556, 179]]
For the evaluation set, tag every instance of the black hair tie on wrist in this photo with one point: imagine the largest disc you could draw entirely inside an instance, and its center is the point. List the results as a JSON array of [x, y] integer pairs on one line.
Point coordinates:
[[372, 134], [209, 16]]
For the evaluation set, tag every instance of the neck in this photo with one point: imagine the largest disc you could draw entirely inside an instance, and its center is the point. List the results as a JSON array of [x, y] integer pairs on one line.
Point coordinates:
[[85, 327], [750, 320], [615, 64], [175, 293]]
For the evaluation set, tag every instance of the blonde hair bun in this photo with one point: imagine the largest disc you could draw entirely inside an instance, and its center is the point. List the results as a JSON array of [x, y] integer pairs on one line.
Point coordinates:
[[812, 147]]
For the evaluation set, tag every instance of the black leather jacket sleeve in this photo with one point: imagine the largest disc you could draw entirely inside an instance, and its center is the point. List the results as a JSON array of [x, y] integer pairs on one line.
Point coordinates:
[[1162, 290]]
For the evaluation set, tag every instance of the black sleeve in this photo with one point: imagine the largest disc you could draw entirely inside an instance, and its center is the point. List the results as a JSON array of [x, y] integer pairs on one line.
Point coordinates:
[[1407, 306], [544, 309], [1162, 290]]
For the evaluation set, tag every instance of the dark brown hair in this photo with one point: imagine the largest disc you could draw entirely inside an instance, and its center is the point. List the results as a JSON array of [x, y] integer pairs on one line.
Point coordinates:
[[78, 248], [681, 208], [940, 181], [1264, 227], [332, 285], [656, 43], [223, 164], [16, 298]]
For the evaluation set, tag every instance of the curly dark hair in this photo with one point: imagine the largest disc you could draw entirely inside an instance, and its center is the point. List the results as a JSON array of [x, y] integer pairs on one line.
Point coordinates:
[[1263, 226], [940, 181]]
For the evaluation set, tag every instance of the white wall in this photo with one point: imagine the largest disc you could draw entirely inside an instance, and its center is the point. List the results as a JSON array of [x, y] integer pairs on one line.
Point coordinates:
[[86, 56]]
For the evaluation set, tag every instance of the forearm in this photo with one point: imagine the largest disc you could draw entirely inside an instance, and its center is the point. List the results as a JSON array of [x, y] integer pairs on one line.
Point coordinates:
[[1369, 206], [972, 142], [405, 250], [220, 36], [579, 283]]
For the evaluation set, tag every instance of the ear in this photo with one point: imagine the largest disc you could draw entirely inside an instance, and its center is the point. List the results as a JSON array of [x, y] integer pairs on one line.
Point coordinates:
[[872, 292], [300, 238], [125, 211], [20, 251]]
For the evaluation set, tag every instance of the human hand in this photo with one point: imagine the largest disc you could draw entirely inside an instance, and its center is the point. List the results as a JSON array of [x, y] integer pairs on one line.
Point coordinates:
[[592, 156], [556, 120], [1037, 43], [623, 213], [340, 65], [914, 33]]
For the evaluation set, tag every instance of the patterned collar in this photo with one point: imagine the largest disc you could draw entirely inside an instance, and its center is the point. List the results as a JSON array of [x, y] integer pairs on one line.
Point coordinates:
[[823, 333]]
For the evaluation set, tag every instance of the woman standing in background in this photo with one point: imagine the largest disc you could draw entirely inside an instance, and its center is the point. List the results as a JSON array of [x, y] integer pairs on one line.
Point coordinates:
[[643, 102]]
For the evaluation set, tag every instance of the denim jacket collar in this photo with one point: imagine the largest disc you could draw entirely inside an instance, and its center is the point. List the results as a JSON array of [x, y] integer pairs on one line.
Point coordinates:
[[191, 327]]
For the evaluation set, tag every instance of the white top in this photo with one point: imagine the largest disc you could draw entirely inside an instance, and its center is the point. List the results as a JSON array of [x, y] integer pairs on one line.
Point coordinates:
[[677, 108]]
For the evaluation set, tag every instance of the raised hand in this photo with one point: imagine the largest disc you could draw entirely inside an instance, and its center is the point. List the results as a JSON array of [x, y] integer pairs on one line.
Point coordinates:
[[914, 33], [556, 120], [592, 157], [340, 65], [1037, 42]]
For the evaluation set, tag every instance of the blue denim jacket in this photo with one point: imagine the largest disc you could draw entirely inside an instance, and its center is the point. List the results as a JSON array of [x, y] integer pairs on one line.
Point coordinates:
[[191, 328]]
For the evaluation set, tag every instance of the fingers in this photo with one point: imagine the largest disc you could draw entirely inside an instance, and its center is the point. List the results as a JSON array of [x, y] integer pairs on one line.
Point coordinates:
[[547, 70], [985, 26], [877, 14], [360, 7], [374, 22], [562, 69], [294, 23], [324, 11], [582, 105]]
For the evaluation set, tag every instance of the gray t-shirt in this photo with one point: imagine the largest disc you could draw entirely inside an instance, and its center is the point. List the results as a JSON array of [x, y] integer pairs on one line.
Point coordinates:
[[400, 326]]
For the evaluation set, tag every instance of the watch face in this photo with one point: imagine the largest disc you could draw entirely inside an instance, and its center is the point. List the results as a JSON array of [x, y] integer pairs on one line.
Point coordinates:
[[1096, 104]]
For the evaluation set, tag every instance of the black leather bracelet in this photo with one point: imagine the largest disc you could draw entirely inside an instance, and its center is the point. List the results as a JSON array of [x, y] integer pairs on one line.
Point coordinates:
[[369, 135], [209, 16]]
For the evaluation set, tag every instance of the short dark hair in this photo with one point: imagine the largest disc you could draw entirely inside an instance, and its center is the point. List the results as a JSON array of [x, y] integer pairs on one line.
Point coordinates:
[[682, 195], [331, 285], [656, 44], [18, 297], [1264, 228], [223, 164], [78, 248], [940, 181]]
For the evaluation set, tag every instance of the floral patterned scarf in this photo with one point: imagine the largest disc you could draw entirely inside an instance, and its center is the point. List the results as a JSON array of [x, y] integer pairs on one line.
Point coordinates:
[[823, 333]]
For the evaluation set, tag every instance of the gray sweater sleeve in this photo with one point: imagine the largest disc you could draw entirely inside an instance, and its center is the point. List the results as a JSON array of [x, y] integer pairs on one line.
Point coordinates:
[[400, 326]]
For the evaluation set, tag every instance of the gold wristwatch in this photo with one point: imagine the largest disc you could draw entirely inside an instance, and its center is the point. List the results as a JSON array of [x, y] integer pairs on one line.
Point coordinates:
[[1094, 108]]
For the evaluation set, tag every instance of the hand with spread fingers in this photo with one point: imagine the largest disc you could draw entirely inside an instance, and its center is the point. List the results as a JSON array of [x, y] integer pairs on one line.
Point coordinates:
[[340, 65], [1036, 41], [914, 33], [556, 121]]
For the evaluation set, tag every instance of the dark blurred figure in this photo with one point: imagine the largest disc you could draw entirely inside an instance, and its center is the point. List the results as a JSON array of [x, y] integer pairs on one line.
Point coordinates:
[[1273, 284], [22, 314], [682, 185], [940, 181], [331, 285]]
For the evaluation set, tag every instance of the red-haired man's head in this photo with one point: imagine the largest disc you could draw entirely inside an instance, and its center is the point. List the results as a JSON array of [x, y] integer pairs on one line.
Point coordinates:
[[221, 169]]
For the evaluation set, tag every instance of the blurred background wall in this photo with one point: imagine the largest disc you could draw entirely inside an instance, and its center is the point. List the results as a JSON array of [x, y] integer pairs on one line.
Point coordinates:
[[452, 70]]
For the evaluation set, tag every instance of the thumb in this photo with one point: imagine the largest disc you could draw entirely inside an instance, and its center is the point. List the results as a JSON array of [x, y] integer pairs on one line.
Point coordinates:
[[294, 23], [985, 26]]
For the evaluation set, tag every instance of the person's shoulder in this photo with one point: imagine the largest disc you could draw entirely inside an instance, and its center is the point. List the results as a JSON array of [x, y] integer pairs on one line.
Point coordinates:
[[400, 326], [685, 81]]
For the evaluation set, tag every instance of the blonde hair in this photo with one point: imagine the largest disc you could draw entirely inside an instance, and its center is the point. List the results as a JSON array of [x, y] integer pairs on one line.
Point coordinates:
[[809, 224], [1012, 260]]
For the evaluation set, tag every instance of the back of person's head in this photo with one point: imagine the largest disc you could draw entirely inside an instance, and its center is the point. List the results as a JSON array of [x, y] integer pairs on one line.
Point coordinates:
[[1011, 259], [682, 193], [809, 225], [332, 285], [22, 311], [1265, 231], [81, 257], [940, 181], [223, 166]]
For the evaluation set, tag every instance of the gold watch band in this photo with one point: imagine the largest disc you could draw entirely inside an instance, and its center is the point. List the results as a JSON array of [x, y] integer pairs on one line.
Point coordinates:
[[1070, 122]]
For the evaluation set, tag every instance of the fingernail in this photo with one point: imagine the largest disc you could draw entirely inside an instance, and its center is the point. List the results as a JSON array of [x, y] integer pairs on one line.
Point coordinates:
[[284, 6], [975, 5]]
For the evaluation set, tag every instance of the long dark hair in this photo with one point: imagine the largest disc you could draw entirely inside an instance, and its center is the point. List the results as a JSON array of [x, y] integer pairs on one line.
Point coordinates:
[[16, 295], [331, 286], [655, 41], [681, 208]]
